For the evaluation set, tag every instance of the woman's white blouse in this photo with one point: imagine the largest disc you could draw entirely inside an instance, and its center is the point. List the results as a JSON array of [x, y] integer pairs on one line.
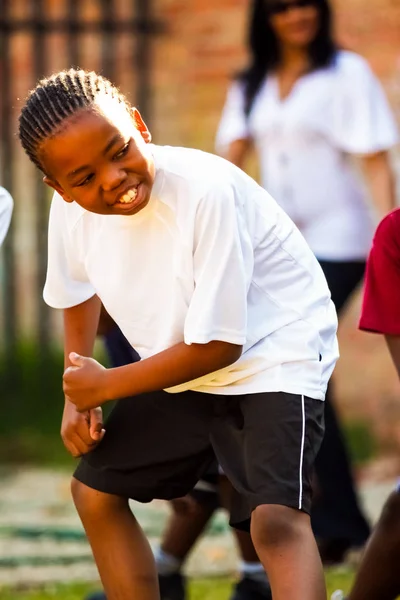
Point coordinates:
[[304, 144]]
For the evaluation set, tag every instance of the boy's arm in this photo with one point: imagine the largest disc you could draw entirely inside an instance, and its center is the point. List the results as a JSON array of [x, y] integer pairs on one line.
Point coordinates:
[[81, 432], [80, 328], [215, 325], [88, 384]]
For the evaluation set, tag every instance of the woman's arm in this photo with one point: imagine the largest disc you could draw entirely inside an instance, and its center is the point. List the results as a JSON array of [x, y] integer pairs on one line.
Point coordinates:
[[393, 343], [238, 151], [381, 181]]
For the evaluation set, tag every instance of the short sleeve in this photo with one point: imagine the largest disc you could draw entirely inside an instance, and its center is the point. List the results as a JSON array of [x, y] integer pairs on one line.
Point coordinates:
[[6, 208], [223, 264], [67, 283], [234, 123], [381, 302], [364, 122]]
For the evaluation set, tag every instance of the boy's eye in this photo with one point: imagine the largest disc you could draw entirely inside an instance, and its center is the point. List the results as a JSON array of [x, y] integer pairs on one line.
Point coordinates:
[[122, 152], [85, 181]]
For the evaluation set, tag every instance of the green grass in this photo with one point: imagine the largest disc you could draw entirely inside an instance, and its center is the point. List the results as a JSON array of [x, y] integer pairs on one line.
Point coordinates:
[[203, 589]]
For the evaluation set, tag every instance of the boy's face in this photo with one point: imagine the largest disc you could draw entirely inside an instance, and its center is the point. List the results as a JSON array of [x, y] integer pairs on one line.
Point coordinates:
[[101, 160]]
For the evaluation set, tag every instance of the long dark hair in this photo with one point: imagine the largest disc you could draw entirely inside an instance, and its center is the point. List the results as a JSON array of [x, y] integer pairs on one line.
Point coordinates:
[[264, 47]]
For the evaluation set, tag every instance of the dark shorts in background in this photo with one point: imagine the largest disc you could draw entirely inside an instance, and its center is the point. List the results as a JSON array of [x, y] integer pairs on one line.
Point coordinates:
[[160, 445]]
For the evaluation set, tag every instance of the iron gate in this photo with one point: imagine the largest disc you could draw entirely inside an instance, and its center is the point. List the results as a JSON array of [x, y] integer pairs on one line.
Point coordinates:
[[36, 38]]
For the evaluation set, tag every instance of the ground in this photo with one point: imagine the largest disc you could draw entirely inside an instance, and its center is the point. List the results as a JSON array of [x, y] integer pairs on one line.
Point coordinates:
[[42, 545], [204, 589]]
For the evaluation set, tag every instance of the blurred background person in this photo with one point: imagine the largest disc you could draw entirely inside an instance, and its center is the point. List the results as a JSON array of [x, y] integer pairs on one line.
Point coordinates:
[[309, 108], [6, 208]]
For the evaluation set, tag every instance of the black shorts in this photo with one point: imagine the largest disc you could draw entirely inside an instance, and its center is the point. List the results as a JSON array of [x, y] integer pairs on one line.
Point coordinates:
[[159, 445], [206, 491]]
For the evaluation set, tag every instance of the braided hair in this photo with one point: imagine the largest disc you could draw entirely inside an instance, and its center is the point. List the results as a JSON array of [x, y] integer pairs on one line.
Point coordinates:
[[57, 98]]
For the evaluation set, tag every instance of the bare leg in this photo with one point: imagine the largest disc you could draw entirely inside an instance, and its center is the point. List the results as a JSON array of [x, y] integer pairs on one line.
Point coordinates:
[[184, 528], [379, 575], [286, 546], [122, 553], [246, 547], [243, 539]]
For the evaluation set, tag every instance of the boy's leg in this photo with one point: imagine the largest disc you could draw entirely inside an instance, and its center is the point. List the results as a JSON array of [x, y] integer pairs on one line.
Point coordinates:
[[155, 446], [266, 444], [122, 553], [189, 518], [378, 576], [186, 524], [253, 582], [286, 546]]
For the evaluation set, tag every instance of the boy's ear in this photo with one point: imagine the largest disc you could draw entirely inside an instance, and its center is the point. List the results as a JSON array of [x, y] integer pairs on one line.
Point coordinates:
[[56, 186], [141, 126]]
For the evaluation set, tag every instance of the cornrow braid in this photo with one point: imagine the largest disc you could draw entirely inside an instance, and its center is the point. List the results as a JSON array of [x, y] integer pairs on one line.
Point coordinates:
[[57, 98]]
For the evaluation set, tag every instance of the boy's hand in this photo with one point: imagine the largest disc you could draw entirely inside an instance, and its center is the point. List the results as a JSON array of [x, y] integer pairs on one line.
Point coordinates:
[[84, 382], [81, 432]]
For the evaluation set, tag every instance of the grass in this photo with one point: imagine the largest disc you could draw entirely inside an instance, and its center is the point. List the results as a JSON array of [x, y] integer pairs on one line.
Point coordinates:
[[203, 589]]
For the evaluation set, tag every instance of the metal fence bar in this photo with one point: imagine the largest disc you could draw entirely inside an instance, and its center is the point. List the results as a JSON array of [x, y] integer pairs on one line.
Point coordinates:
[[108, 39], [7, 156], [38, 26], [42, 311], [72, 23], [143, 57]]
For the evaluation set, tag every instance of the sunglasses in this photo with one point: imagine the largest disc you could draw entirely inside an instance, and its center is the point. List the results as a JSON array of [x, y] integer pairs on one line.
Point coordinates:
[[279, 8]]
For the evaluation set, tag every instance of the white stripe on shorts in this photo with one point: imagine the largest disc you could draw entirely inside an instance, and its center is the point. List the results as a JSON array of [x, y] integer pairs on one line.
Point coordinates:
[[303, 435]]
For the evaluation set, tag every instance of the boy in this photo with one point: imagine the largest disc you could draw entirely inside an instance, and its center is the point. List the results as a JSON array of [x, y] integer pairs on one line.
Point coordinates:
[[218, 292], [378, 576]]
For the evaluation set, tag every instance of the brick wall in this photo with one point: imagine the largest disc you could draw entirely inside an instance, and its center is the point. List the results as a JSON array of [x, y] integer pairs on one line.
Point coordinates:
[[193, 60]]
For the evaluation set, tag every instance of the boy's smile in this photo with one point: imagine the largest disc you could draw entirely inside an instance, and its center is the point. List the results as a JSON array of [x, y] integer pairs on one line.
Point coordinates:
[[101, 160]]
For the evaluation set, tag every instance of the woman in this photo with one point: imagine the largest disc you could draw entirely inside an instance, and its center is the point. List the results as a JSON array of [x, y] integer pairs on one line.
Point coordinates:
[[309, 108]]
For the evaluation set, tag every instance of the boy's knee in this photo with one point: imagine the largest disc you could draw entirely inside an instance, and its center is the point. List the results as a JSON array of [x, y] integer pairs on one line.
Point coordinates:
[[90, 502], [273, 525]]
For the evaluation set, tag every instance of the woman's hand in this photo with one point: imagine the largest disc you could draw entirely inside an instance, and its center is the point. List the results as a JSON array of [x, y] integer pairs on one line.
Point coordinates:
[[381, 181], [84, 382]]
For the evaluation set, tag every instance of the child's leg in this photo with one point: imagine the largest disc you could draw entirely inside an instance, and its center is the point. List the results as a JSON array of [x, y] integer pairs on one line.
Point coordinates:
[[266, 444], [251, 568], [183, 530], [121, 551], [379, 575], [286, 546]]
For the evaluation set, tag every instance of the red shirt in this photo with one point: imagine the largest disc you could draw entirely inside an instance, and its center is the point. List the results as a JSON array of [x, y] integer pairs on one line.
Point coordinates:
[[381, 303]]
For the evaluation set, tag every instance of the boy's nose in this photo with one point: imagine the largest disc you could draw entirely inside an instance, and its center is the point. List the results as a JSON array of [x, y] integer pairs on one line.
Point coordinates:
[[113, 180]]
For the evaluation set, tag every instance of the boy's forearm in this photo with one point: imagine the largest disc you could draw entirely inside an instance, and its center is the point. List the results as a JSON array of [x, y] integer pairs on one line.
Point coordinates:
[[173, 366], [80, 328]]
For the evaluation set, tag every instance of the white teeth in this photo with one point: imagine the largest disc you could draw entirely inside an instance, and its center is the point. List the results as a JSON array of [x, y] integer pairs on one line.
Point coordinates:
[[129, 196]]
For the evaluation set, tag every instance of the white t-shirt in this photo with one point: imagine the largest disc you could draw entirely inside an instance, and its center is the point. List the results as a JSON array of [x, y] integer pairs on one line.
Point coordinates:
[[304, 143], [6, 208], [211, 257]]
